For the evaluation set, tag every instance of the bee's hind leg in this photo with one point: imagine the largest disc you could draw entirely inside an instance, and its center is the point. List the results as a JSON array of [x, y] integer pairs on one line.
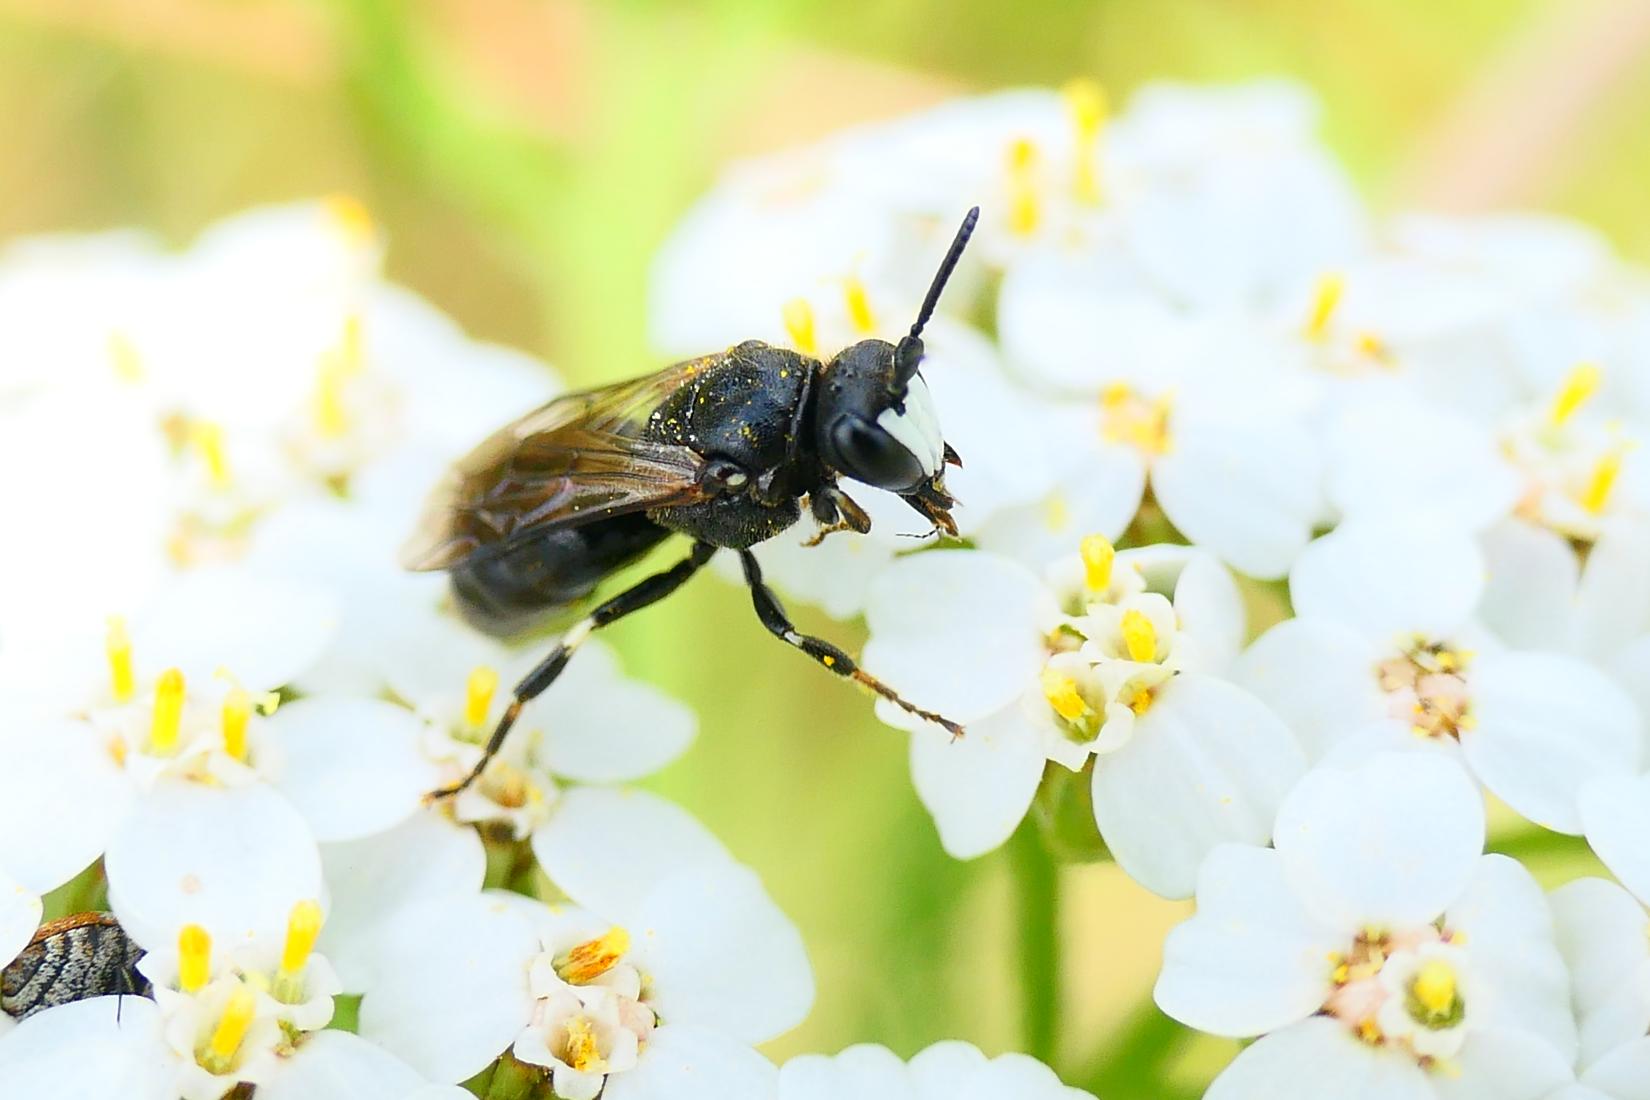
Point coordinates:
[[640, 595], [772, 614]]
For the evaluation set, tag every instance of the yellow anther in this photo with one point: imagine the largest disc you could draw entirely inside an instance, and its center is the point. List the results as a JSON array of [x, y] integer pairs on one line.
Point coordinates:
[[118, 646], [591, 959], [1086, 101], [218, 1056], [1098, 554], [194, 958], [1139, 636], [1341, 974], [478, 695], [352, 217], [1062, 695], [1024, 210], [1324, 300], [1372, 346], [582, 1053], [859, 305], [124, 358], [237, 714], [1595, 496], [1056, 513], [1141, 701], [1369, 1031], [352, 346], [1578, 387], [1434, 988], [207, 439], [1127, 416], [303, 926], [799, 323], [168, 713]]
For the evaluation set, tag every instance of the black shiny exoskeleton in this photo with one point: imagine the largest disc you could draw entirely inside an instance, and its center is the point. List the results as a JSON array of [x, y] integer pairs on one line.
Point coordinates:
[[725, 449]]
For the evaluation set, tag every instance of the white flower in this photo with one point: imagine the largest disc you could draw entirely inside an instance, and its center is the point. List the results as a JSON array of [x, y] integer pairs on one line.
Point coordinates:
[[462, 977], [1385, 633], [948, 1070], [1375, 944], [1098, 663], [20, 911]]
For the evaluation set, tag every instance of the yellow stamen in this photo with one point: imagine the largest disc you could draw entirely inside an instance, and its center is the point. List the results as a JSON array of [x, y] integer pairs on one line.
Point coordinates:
[[236, 1021], [799, 323], [1024, 211], [168, 713], [1324, 300], [1373, 347], [582, 1053], [194, 958], [1130, 417], [1086, 101], [1434, 987], [207, 439], [1056, 513], [1061, 693], [352, 217], [302, 928], [1601, 483], [1141, 701], [1139, 636], [1369, 1031], [859, 305], [123, 357], [1578, 387], [593, 958], [478, 695], [118, 645], [1098, 554], [237, 714]]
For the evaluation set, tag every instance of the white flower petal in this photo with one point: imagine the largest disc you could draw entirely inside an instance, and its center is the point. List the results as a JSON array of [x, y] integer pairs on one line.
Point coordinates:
[[1499, 1063], [20, 911], [1249, 495], [1317, 675], [352, 767], [1613, 600], [263, 630], [958, 631], [335, 1065], [457, 994], [954, 1070], [1605, 938], [1208, 763], [687, 1063], [370, 880], [1358, 852], [1615, 812], [1544, 725], [1532, 578], [864, 1070], [233, 860], [978, 786], [721, 955], [1251, 960], [608, 848], [1624, 1073], [65, 796], [83, 1050], [1096, 491], [1386, 580], [600, 727], [1318, 1059]]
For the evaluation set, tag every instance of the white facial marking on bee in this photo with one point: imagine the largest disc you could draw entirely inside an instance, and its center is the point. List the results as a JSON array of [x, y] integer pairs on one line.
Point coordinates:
[[918, 430]]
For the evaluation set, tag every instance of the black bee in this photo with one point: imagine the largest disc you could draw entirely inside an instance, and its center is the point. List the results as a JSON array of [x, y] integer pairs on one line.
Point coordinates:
[[723, 449], [72, 959]]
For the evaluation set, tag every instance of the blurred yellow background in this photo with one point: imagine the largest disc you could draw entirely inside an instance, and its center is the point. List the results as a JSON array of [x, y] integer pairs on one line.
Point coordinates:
[[525, 157]]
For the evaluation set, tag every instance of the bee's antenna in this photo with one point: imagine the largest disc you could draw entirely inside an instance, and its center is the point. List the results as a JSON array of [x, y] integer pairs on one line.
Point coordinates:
[[908, 354]]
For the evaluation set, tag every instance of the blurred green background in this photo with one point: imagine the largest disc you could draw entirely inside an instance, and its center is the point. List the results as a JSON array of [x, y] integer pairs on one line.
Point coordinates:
[[527, 156]]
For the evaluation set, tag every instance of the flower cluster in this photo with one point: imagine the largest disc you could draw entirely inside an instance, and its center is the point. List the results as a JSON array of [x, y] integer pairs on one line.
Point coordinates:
[[1290, 530]]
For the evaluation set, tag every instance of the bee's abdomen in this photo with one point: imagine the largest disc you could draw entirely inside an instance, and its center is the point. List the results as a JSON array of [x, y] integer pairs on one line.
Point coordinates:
[[511, 591]]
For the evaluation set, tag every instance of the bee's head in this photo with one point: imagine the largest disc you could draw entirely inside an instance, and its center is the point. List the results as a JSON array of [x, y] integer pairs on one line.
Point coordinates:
[[875, 421]]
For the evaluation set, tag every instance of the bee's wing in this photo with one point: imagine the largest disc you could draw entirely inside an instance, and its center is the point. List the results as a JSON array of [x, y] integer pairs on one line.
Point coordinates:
[[578, 459]]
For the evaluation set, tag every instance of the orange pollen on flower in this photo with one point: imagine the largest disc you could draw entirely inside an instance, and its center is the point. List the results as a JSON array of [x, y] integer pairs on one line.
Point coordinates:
[[859, 305], [194, 958], [124, 358], [1024, 210], [1325, 299], [118, 647], [799, 323], [168, 712], [1086, 102], [588, 961], [1098, 554], [581, 1051], [1575, 391], [1128, 416], [1595, 495]]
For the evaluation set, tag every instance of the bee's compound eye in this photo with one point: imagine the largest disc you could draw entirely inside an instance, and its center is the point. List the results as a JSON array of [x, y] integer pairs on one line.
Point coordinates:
[[725, 474], [867, 453]]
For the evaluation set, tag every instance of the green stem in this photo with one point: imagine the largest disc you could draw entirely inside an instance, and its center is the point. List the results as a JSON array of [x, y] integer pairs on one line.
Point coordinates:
[[1138, 1055], [1037, 894], [513, 1080]]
